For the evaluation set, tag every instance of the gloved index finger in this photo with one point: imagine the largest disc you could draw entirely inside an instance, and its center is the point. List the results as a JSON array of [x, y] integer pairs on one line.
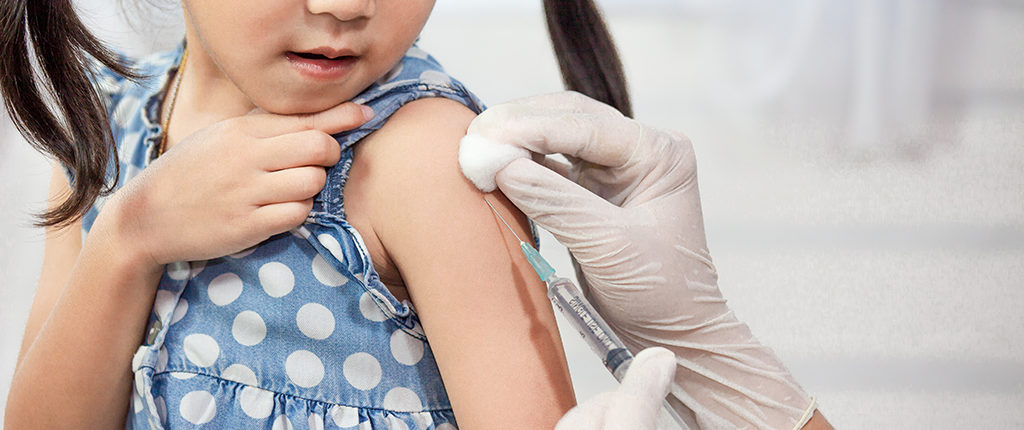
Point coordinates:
[[607, 139]]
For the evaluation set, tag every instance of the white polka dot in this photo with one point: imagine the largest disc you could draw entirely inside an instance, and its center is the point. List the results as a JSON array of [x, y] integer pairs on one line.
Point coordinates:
[[182, 375], [224, 289], [304, 368], [407, 349], [277, 279], [163, 304], [315, 321], [362, 370], [368, 307], [201, 349], [249, 328], [316, 422], [180, 310], [402, 399], [178, 271], [326, 274], [282, 423], [161, 409], [423, 420], [344, 416], [240, 373], [244, 253], [161, 360], [433, 76], [395, 423], [256, 403], [332, 245], [198, 407], [446, 426]]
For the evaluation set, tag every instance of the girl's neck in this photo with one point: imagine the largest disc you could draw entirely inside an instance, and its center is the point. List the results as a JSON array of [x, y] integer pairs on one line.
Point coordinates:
[[205, 96]]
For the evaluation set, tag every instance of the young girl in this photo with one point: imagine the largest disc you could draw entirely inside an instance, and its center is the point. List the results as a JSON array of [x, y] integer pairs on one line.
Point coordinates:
[[178, 286]]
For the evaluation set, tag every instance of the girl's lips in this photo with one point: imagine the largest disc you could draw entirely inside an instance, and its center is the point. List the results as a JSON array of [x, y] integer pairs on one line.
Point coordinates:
[[321, 68]]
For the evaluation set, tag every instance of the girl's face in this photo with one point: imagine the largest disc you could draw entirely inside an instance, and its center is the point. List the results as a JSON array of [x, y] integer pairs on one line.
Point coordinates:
[[297, 56]]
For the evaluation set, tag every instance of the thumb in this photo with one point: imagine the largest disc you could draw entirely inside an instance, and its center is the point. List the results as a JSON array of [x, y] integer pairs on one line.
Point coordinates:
[[646, 384], [570, 212]]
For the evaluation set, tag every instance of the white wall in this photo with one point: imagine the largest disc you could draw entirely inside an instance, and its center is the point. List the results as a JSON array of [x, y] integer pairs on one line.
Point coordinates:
[[861, 170]]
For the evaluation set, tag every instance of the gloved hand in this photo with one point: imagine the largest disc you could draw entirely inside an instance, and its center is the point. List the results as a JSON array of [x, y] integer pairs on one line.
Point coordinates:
[[635, 404], [630, 214]]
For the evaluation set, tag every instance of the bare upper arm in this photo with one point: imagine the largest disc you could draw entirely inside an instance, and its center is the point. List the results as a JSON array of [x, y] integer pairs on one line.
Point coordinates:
[[485, 312], [60, 252]]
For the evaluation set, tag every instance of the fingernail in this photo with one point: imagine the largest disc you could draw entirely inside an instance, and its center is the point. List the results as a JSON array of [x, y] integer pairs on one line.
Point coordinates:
[[367, 112]]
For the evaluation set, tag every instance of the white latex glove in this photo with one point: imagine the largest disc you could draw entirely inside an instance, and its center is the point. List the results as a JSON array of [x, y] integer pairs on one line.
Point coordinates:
[[635, 404], [630, 214]]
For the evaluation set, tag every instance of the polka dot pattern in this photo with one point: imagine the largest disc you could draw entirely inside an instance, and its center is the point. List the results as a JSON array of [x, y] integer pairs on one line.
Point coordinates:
[[198, 407], [315, 321], [201, 349], [326, 274], [256, 403], [362, 370], [405, 348], [280, 334], [277, 279], [304, 368], [224, 289], [249, 328]]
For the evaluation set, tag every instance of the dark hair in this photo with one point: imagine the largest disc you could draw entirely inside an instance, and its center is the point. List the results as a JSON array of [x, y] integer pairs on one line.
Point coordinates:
[[58, 109], [60, 112], [586, 53]]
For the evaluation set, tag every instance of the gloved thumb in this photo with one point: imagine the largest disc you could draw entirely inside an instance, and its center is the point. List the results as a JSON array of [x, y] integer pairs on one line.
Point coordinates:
[[644, 388], [570, 212]]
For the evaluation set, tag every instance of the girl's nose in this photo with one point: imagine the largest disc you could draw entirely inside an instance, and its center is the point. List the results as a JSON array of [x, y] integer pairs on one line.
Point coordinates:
[[344, 10]]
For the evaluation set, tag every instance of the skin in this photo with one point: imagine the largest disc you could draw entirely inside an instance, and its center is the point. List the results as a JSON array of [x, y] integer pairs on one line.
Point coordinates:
[[465, 260]]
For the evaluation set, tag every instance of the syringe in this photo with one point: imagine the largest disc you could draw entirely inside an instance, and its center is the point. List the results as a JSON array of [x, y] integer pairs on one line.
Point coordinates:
[[568, 299]]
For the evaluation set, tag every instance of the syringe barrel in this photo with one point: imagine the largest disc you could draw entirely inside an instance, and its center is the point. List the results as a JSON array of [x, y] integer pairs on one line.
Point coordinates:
[[568, 299]]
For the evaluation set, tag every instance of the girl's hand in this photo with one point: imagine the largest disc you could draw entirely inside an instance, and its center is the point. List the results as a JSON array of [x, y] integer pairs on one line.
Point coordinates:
[[229, 186]]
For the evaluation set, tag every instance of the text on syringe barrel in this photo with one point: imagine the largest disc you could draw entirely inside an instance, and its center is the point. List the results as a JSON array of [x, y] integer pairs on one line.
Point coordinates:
[[589, 324]]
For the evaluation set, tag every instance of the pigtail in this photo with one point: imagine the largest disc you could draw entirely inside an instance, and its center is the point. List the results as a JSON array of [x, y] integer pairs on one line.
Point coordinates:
[[58, 110], [586, 53]]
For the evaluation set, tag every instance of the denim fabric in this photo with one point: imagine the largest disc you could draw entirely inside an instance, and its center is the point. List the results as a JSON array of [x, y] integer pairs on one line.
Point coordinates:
[[298, 331]]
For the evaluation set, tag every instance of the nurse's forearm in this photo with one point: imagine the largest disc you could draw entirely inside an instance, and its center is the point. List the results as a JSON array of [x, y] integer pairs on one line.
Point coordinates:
[[77, 372]]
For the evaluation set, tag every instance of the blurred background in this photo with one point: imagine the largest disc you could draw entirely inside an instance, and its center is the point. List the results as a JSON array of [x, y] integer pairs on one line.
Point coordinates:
[[861, 169]]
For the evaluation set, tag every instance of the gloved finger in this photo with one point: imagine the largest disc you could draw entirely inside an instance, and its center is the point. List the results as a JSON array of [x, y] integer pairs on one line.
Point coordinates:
[[574, 215], [644, 388], [608, 139], [555, 165]]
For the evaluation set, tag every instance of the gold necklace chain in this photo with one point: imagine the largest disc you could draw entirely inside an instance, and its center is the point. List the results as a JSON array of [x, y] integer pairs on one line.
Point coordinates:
[[174, 98]]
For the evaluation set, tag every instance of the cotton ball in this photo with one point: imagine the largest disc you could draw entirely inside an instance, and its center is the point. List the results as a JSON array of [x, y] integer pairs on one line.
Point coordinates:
[[481, 158]]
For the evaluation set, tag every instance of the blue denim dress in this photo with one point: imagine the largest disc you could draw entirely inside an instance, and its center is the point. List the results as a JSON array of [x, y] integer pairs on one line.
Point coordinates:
[[298, 331]]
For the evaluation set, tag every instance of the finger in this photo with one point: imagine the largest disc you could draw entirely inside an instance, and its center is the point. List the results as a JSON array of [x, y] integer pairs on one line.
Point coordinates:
[[301, 148], [645, 386], [295, 184], [602, 138], [337, 119], [555, 164], [573, 215], [280, 217]]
